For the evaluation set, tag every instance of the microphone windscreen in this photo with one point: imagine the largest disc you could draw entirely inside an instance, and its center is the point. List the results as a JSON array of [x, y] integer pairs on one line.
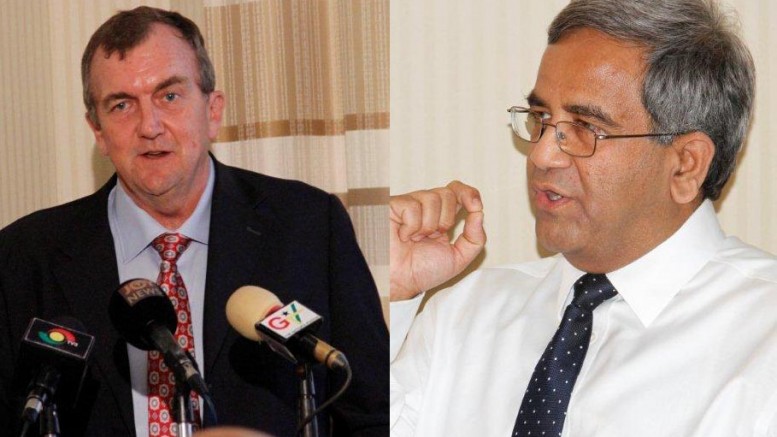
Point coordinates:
[[248, 305], [137, 304]]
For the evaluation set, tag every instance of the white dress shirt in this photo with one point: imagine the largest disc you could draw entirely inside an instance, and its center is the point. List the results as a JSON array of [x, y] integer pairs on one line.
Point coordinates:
[[687, 348], [133, 231]]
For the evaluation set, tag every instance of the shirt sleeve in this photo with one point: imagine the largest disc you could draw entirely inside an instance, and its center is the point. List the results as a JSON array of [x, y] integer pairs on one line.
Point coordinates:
[[409, 371], [402, 315]]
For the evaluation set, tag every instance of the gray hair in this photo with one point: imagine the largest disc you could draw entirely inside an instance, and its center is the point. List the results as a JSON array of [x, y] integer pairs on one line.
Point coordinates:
[[128, 29], [699, 74]]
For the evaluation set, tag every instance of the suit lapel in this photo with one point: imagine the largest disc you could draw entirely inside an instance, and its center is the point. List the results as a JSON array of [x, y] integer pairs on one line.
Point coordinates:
[[238, 252], [88, 276]]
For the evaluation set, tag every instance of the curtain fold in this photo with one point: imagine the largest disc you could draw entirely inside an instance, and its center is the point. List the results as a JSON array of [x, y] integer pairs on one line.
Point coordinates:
[[307, 84]]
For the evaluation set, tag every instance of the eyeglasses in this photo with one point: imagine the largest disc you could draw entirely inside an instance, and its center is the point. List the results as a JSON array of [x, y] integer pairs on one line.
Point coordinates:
[[572, 138]]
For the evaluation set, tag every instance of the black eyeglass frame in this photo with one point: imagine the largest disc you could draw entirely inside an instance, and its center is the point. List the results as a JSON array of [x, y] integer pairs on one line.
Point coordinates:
[[513, 110]]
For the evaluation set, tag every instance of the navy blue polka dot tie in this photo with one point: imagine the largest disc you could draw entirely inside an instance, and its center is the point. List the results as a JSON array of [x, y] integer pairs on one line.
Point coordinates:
[[544, 405]]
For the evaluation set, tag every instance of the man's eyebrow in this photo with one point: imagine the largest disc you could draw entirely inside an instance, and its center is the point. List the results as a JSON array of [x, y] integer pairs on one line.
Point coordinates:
[[534, 100], [106, 101], [592, 111], [173, 80]]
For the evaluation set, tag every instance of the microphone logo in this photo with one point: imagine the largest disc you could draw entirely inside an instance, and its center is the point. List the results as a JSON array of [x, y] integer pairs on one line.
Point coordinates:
[[45, 335], [290, 319], [136, 290], [58, 337], [284, 318]]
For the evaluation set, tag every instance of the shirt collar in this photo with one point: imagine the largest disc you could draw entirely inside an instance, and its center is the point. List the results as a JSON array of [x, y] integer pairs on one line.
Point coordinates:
[[134, 229], [649, 283]]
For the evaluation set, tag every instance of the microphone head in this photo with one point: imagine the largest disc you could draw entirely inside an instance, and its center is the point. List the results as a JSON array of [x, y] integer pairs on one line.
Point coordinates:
[[61, 343], [137, 304], [249, 305]]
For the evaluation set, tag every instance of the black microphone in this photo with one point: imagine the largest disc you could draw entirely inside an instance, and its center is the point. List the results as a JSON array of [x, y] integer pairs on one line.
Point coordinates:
[[57, 353], [259, 315], [145, 317]]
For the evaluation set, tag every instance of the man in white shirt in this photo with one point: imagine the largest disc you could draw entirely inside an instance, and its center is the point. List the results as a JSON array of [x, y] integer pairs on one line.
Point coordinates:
[[634, 123]]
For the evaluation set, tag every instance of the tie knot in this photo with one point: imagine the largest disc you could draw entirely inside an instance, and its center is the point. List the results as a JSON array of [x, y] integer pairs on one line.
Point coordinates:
[[170, 246], [591, 290]]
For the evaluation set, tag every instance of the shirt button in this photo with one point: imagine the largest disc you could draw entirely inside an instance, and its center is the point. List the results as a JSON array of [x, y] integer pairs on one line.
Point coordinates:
[[593, 337]]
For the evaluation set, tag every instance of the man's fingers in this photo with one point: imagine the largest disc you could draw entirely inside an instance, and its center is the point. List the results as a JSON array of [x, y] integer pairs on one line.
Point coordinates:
[[417, 214], [448, 208], [421, 255], [467, 196], [471, 241], [406, 214], [422, 214], [431, 213]]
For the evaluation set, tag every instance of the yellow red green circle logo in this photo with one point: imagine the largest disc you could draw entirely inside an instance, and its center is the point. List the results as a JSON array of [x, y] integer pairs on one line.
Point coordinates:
[[57, 336]]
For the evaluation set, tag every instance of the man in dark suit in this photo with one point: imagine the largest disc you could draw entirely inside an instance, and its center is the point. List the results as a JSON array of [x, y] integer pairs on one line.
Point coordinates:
[[151, 103]]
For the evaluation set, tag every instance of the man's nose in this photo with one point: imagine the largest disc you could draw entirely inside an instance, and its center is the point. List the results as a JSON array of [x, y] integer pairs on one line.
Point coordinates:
[[150, 122], [545, 154]]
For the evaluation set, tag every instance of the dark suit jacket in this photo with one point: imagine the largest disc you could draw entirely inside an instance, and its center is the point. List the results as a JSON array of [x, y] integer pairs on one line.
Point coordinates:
[[285, 236]]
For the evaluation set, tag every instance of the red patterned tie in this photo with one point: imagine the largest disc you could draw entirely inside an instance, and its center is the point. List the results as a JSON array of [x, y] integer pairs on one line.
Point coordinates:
[[161, 381]]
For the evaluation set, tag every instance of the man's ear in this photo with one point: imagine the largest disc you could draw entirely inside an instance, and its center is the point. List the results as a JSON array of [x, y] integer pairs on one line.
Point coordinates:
[[94, 125], [694, 152], [215, 113]]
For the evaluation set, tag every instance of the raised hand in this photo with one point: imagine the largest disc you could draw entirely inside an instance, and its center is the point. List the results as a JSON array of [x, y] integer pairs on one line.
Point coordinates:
[[421, 254]]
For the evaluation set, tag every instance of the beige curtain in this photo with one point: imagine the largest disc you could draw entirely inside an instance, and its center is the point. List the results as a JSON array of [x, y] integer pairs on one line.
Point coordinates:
[[307, 84]]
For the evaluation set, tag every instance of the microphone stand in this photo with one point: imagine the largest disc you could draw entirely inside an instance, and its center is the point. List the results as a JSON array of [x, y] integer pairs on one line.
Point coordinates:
[[182, 409], [49, 420], [307, 400]]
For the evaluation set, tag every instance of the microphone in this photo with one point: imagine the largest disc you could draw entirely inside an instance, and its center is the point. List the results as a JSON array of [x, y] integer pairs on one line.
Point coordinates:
[[145, 317], [259, 315], [57, 352]]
